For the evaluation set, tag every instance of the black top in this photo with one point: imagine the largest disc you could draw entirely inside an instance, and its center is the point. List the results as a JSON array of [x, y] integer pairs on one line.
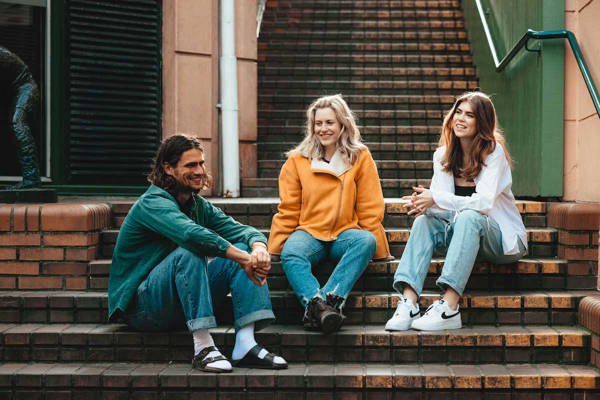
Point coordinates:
[[464, 190]]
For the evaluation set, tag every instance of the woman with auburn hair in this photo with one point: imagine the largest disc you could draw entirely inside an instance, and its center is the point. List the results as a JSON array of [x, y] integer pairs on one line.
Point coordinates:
[[469, 212], [331, 208]]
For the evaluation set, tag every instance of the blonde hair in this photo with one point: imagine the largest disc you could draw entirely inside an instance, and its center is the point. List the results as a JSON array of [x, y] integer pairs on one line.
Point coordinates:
[[488, 133], [349, 142]]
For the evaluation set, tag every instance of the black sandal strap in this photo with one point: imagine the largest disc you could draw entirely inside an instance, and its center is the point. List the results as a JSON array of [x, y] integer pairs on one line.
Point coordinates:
[[202, 360]]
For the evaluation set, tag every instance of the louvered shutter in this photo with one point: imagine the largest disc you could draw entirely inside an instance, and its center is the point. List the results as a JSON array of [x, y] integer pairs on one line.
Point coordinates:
[[113, 105]]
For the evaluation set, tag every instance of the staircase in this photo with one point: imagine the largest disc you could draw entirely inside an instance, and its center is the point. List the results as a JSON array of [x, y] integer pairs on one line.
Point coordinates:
[[520, 338], [399, 64]]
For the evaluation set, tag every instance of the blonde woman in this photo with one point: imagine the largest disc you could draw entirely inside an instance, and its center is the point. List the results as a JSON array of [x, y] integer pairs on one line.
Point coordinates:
[[469, 212], [331, 208]]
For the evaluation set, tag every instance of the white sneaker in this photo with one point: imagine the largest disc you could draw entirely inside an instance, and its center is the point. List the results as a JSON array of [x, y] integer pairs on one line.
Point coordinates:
[[439, 316], [405, 314]]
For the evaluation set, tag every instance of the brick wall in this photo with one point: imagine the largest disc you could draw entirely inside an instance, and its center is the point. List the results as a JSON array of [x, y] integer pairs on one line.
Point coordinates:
[[589, 317], [49, 246], [577, 226]]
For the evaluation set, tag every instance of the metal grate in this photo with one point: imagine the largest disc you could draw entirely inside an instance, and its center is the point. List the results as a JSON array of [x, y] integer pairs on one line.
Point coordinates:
[[113, 90]]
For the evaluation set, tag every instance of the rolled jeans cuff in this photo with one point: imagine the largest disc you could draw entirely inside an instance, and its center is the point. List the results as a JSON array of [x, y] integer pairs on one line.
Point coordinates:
[[399, 285], [261, 319], [444, 284], [201, 323]]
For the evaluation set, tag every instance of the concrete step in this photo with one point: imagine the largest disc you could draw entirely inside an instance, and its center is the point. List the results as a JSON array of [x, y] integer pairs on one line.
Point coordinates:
[[527, 274], [131, 380], [353, 343], [477, 307]]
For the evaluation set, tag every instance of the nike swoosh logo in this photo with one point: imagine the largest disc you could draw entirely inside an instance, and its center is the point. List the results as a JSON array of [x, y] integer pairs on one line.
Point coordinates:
[[444, 316], [413, 315]]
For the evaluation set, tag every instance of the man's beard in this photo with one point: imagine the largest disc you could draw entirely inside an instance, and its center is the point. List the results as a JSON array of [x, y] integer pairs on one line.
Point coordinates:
[[180, 187]]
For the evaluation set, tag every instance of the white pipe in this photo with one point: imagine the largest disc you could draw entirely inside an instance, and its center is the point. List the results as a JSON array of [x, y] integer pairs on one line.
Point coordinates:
[[229, 102]]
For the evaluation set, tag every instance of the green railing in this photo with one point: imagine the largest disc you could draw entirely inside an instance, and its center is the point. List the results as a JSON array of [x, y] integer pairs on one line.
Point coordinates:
[[541, 35]]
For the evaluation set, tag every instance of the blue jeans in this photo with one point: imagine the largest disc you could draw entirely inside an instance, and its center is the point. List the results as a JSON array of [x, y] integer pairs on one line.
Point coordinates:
[[183, 288], [471, 236], [352, 251]]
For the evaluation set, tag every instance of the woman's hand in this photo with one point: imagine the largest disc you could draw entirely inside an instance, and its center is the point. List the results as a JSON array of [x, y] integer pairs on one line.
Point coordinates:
[[419, 201], [261, 260]]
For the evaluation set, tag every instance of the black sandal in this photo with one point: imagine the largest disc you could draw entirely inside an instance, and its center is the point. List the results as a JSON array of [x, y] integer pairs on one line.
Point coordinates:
[[251, 360], [201, 360]]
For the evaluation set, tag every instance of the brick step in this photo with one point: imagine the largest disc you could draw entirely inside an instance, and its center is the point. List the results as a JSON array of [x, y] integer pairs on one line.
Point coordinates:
[[353, 343], [347, 86], [314, 380], [387, 169], [285, 58], [360, 4], [357, 100], [390, 112], [377, 133], [261, 187], [355, 72], [259, 211], [406, 134], [477, 308], [527, 274], [303, 45], [366, 24], [541, 241], [379, 151], [292, 15], [352, 35], [332, 87]]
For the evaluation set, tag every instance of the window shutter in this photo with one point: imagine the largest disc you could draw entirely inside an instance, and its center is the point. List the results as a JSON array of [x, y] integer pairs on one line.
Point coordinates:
[[113, 110]]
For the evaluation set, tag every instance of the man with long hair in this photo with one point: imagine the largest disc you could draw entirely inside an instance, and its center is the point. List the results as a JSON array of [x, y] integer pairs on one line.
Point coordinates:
[[161, 278]]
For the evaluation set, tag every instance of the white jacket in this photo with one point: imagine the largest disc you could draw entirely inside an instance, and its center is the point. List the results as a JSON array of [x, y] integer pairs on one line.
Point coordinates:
[[493, 196]]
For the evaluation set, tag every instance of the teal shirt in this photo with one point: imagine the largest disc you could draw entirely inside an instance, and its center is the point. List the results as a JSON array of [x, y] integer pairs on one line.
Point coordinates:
[[155, 226]]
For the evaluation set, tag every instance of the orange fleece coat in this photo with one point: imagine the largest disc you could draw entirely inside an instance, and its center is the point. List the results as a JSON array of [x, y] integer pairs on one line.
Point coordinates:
[[326, 199]]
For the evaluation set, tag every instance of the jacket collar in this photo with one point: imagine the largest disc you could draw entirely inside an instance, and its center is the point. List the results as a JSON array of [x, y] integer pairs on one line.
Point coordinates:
[[336, 166]]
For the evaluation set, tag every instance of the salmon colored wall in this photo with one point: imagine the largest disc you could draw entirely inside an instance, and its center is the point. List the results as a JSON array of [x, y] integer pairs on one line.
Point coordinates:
[[191, 77], [582, 124]]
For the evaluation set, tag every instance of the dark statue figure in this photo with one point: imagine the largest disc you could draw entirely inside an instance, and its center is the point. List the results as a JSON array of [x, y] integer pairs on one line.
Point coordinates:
[[17, 84]]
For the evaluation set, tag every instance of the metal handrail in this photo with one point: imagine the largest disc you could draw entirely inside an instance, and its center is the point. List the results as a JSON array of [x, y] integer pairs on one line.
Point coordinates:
[[531, 34]]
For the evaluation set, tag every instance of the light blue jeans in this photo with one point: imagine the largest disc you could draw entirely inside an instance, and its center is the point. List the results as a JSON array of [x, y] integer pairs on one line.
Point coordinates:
[[471, 236], [183, 288], [352, 251]]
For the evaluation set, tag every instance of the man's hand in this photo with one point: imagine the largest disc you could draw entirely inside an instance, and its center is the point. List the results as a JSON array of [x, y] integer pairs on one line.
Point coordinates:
[[262, 260], [248, 263]]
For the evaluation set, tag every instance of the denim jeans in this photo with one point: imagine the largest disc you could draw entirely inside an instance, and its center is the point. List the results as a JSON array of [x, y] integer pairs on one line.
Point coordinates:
[[471, 236], [183, 288], [352, 251]]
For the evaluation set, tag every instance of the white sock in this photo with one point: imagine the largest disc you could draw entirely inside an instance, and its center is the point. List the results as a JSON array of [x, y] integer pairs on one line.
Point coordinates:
[[203, 339], [244, 341]]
